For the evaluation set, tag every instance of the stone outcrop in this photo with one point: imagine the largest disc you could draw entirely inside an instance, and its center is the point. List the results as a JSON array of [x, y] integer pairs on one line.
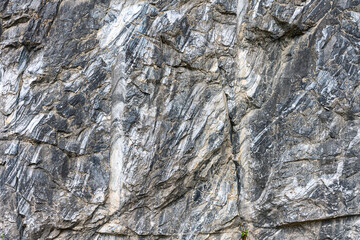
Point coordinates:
[[178, 119]]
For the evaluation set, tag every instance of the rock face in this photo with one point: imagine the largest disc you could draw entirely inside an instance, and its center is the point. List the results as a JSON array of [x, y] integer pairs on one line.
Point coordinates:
[[178, 119]]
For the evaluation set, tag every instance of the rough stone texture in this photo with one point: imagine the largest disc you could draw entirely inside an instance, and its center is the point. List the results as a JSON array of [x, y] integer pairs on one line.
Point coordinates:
[[179, 119]]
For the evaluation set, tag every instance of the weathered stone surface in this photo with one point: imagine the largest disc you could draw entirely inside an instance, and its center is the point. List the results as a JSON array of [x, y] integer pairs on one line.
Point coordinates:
[[179, 119]]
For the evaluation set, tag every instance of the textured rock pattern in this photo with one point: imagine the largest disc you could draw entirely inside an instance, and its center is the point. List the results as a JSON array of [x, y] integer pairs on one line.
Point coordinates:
[[177, 119]]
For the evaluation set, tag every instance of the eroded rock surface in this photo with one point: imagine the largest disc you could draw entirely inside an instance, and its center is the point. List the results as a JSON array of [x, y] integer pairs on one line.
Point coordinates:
[[178, 119]]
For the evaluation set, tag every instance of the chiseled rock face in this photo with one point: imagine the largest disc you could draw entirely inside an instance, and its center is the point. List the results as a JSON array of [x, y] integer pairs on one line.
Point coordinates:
[[179, 119]]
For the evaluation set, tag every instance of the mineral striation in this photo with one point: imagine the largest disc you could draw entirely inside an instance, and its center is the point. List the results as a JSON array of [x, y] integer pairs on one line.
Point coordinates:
[[179, 119]]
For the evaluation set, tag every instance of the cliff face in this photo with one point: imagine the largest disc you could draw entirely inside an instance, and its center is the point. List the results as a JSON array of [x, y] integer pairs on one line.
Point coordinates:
[[179, 119]]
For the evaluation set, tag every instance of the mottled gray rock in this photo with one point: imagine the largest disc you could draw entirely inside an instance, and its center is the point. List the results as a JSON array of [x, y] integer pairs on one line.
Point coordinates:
[[179, 119]]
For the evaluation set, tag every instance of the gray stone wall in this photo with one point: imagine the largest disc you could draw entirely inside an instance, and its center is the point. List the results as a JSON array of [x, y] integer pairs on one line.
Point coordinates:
[[179, 119]]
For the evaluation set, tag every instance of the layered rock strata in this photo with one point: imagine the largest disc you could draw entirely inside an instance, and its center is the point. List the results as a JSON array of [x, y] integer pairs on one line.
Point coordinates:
[[178, 119]]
